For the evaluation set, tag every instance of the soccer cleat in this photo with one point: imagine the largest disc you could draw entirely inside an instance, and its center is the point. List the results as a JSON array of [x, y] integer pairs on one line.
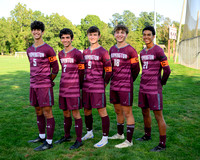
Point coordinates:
[[144, 138], [43, 147], [88, 135], [158, 148], [125, 144], [101, 143], [76, 145], [117, 136], [38, 139], [63, 139]]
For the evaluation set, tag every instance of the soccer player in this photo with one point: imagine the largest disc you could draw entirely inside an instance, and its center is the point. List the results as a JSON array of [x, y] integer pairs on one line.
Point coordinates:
[[97, 62], [72, 64], [43, 70], [153, 60], [125, 70]]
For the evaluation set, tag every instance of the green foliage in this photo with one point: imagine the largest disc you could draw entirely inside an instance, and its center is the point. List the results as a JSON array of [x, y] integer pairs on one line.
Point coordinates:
[[16, 34]]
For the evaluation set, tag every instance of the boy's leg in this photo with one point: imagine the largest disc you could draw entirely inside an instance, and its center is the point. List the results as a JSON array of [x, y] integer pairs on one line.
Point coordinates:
[[50, 129], [127, 110], [89, 124], [120, 122], [105, 127], [162, 127], [78, 129], [67, 127]]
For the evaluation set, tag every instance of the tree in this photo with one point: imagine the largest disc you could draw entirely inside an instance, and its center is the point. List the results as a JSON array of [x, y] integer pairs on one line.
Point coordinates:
[[4, 36], [93, 20], [20, 20]]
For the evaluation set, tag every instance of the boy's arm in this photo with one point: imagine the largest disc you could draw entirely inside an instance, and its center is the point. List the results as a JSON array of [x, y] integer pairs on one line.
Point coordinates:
[[165, 65], [166, 72], [135, 66], [107, 68]]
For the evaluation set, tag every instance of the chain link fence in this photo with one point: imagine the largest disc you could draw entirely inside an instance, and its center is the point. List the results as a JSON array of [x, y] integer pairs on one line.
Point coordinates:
[[189, 47], [189, 52]]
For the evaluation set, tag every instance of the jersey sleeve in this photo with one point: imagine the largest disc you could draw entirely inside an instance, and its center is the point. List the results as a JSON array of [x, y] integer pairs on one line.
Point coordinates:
[[53, 61], [107, 66], [135, 67], [165, 65], [81, 67]]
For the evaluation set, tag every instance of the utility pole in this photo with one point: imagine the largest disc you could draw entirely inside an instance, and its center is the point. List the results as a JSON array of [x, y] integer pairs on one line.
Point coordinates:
[[179, 32], [155, 20]]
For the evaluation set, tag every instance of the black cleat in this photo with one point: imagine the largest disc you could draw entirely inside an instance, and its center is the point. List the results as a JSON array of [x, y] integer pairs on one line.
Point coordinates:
[[158, 148], [144, 138], [76, 145], [38, 139], [43, 147], [63, 139]]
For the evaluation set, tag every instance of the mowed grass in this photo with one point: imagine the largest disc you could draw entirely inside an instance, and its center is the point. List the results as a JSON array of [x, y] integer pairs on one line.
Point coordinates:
[[18, 120]]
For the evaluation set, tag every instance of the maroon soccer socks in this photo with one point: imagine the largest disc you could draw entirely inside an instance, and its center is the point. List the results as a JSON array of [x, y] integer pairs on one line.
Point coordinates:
[[130, 130], [41, 122], [89, 122], [50, 128], [120, 128], [105, 125], [67, 126], [78, 129]]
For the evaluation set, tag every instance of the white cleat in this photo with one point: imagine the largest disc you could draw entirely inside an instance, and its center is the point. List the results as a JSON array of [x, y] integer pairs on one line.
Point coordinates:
[[117, 136], [125, 144], [102, 142], [88, 135]]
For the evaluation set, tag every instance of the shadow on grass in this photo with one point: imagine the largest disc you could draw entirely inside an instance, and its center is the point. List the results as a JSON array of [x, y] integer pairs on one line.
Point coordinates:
[[181, 112]]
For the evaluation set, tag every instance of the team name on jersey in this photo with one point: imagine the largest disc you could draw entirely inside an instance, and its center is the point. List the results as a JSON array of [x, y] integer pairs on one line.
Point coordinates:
[[91, 57], [36, 54], [119, 55], [67, 60], [147, 57]]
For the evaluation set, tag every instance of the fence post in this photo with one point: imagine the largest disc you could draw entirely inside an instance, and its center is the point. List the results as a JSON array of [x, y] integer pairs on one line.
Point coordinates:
[[197, 53]]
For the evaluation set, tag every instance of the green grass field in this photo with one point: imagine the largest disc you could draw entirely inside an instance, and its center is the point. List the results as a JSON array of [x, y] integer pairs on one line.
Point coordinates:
[[18, 120]]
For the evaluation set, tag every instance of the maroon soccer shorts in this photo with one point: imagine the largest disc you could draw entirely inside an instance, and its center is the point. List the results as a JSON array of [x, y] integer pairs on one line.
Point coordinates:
[[152, 101], [93, 100], [69, 103], [42, 97], [123, 98]]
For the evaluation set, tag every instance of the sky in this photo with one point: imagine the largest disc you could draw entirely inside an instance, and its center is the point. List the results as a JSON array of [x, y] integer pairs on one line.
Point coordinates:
[[75, 10]]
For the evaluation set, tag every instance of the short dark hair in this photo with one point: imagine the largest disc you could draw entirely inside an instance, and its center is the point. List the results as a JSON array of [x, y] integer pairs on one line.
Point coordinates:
[[66, 31], [121, 27], [150, 28], [37, 25], [93, 29]]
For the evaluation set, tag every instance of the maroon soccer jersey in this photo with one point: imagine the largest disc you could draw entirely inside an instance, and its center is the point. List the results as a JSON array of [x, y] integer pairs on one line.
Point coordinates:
[[152, 62], [122, 61], [71, 63], [42, 59], [96, 61]]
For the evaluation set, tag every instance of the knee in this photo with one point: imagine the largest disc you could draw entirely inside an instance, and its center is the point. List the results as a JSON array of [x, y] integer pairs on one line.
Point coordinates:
[[159, 118], [38, 111], [146, 113], [102, 112], [76, 114], [48, 112], [66, 113], [128, 114], [118, 112], [87, 112]]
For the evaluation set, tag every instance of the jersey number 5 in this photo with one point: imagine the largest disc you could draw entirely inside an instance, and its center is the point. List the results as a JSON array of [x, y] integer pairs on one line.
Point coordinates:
[[89, 64], [34, 62]]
